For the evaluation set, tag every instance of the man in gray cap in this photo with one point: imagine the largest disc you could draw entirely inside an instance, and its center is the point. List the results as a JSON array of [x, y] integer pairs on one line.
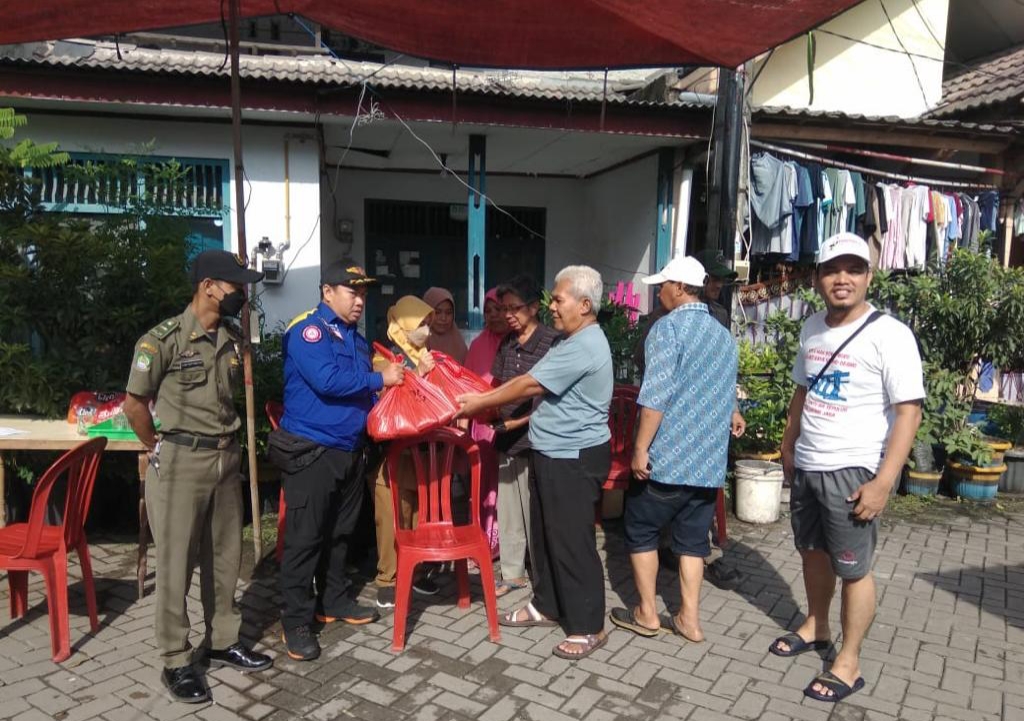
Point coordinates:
[[189, 367], [719, 274]]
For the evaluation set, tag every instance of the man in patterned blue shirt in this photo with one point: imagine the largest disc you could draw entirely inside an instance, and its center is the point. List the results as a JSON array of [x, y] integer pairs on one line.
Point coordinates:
[[687, 401]]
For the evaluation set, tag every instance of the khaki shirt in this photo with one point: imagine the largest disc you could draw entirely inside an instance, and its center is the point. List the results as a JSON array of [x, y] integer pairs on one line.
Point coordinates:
[[192, 374]]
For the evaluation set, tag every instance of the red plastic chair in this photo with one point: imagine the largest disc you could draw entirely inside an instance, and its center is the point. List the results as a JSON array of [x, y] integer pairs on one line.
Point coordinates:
[[274, 411], [37, 546], [436, 537]]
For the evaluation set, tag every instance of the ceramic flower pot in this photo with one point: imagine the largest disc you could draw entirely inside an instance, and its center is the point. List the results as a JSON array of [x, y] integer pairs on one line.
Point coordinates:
[[976, 483]]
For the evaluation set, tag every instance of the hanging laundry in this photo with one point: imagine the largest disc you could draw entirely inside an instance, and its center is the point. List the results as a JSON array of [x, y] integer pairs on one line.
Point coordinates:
[[772, 192], [988, 202]]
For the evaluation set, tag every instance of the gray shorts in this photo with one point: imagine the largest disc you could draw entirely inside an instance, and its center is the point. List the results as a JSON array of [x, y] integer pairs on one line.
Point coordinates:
[[823, 519]]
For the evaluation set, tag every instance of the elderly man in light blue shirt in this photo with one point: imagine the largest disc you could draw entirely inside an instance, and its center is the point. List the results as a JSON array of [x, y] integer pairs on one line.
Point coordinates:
[[687, 401], [571, 457]]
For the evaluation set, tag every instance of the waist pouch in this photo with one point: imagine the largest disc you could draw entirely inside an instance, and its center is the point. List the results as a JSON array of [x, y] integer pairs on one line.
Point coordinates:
[[292, 453]]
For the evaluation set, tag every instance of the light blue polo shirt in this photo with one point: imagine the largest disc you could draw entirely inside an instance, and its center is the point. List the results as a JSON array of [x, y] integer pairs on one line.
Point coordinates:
[[573, 414]]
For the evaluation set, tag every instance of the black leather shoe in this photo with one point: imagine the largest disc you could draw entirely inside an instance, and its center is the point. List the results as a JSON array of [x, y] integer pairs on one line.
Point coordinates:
[[184, 685], [238, 656]]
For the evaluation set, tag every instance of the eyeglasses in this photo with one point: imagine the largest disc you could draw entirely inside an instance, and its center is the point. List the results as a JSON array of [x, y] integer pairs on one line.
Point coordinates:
[[511, 308]]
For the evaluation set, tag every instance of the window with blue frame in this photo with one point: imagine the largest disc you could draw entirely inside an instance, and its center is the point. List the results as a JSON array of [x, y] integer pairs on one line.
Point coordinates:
[[197, 191]]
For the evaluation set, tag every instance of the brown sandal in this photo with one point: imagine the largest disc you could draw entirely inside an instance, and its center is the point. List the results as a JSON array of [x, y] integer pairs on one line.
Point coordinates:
[[590, 643]]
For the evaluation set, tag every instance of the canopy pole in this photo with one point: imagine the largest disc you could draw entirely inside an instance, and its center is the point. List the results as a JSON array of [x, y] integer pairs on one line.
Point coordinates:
[[250, 398]]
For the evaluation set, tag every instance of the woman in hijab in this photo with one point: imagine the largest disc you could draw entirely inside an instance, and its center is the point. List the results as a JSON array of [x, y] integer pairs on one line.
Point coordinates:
[[479, 359], [444, 335], [408, 330]]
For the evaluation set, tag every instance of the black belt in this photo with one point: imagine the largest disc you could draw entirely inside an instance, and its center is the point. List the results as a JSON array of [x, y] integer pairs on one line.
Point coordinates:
[[215, 443]]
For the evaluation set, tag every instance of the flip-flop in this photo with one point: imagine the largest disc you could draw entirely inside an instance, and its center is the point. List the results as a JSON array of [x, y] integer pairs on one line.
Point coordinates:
[[590, 642], [839, 688], [678, 630], [503, 588], [626, 618], [533, 618], [797, 645]]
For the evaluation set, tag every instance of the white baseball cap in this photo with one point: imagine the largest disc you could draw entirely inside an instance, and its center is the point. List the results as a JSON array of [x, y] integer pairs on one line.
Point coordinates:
[[686, 270], [844, 244]]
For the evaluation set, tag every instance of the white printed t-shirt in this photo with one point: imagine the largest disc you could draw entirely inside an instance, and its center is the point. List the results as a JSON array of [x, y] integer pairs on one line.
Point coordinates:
[[849, 413]]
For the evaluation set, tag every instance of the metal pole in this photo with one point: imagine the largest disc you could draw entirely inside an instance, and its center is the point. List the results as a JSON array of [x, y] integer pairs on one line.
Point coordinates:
[[724, 181], [250, 399]]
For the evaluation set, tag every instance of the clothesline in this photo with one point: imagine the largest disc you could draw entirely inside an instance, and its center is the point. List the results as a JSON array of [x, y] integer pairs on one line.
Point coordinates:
[[869, 171]]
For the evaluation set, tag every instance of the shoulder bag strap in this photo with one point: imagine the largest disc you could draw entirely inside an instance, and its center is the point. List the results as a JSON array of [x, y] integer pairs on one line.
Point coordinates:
[[871, 319]]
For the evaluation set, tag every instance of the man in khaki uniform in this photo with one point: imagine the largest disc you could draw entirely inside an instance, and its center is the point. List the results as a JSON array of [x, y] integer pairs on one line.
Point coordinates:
[[189, 366]]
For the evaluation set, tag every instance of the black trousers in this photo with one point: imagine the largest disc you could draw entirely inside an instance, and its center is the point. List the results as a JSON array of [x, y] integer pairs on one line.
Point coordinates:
[[323, 502], [567, 576]]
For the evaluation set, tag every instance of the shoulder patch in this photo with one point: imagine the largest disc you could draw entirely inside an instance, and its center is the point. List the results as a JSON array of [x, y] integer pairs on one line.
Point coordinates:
[[165, 329], [299, 318], [311, 334]]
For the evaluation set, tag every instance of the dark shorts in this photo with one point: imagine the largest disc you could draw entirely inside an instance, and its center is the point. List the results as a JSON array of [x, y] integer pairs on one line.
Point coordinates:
[[823, 519], [686, 510]]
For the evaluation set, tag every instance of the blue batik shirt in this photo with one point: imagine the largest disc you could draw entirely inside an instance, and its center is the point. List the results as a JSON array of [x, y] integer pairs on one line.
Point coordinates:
[[329, 385], [690, 378]]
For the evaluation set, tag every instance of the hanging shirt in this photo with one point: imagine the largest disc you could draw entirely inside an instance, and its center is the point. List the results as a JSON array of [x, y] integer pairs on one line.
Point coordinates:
[[915, 215], [988, 203], [771, 200]]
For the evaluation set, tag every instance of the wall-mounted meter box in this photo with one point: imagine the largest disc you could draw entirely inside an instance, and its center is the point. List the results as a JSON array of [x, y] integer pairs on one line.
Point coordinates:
[[273, 273]]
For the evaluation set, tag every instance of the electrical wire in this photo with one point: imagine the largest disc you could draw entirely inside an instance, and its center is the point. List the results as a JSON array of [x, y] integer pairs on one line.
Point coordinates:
[[452, 173], [964, 66], [913, 65], [927, 26]]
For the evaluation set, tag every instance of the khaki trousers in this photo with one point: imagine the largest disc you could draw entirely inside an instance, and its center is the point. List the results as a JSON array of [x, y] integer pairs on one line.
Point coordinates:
[[384, 515], [195, 511]]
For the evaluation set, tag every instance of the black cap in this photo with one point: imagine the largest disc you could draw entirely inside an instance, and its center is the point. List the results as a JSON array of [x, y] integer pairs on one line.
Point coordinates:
[[714, 264], [222, 265], [345, 272]]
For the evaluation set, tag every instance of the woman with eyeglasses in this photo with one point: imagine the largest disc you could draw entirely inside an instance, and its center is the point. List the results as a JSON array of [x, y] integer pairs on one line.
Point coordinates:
[[528, 341]]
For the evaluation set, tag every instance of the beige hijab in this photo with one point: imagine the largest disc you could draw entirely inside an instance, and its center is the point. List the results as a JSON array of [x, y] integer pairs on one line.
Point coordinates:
[[450, 342], [404, 317]]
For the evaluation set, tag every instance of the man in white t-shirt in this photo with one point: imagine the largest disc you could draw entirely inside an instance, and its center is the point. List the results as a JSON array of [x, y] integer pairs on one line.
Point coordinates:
[[851, 425]]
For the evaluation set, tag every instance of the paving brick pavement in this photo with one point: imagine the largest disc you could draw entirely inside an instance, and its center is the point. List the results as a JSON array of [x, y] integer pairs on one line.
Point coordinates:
[[947, 643]]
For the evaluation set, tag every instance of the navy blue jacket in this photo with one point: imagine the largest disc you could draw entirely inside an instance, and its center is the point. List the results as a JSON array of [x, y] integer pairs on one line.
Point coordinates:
[[329, 385]]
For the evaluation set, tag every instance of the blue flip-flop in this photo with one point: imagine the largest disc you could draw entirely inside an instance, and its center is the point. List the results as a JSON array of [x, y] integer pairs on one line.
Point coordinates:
[[839, 688], [797, 645]]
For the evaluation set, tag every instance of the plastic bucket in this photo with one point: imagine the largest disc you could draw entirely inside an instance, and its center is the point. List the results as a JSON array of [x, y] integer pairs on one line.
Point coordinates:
[[758, 491]]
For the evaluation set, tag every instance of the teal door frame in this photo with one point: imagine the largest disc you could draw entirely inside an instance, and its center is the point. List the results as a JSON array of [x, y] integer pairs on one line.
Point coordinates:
[[476, 246], [666, 207]]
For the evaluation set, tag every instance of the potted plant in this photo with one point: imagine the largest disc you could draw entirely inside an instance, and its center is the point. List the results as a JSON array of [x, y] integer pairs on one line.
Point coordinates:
[[961, 312], [1009, 420], [765, 392]]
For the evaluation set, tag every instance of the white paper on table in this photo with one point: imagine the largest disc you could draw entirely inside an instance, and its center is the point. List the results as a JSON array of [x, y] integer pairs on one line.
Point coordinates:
[[4, 432]]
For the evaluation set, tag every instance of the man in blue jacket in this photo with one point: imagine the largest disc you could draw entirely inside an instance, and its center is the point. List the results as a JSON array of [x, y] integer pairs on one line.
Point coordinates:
[[329, 388]]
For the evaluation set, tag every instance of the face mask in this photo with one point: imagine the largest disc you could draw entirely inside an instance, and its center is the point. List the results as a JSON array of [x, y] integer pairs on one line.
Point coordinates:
[[419, 336], [231, 304]]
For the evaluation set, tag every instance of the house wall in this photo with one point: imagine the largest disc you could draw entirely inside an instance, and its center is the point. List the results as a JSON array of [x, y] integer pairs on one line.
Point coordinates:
[[607, 221], [852, 77], [264, 150]]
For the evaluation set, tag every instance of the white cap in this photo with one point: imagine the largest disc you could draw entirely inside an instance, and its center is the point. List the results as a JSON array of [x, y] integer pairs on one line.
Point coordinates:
[[686, 270], [844, 244]]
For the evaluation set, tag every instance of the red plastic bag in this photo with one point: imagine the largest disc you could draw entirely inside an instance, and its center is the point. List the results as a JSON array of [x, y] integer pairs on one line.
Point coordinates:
[[408, 409], [101, 406], [455, 380]]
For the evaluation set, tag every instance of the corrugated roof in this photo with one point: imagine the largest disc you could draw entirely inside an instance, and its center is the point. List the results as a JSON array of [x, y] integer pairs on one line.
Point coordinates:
[[327, 71], [939, 124], [995, 80]]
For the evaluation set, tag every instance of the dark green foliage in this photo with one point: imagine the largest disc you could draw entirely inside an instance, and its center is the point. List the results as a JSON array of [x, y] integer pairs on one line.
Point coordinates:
[[968, 310]]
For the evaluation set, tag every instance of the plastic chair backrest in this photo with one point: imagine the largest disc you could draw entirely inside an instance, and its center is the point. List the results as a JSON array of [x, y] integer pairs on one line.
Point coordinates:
[[622, 418], [274, 411], [80, 464], [433, 455]]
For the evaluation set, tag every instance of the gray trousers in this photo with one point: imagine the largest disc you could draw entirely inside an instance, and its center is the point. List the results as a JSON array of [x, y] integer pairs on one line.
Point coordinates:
[[513, 513]]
